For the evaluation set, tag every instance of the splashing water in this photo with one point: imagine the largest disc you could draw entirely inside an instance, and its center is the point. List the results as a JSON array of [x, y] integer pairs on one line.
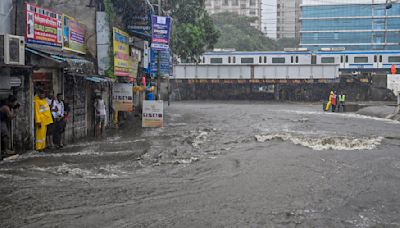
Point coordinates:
[[325, 142]]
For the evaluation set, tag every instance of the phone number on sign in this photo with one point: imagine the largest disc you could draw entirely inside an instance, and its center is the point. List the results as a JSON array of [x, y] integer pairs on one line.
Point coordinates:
[[152, 115]]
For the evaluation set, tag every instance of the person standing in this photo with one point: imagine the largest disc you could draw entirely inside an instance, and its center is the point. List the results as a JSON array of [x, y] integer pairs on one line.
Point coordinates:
[[43, 118], [334, 101], [329, 104], [100, 109], [58, 116], [50, 128], [342, 101], [6, 115]]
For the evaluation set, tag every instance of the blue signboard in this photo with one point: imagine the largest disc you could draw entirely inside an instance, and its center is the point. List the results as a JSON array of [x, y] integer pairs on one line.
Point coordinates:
[[165, 63], [161, 28]]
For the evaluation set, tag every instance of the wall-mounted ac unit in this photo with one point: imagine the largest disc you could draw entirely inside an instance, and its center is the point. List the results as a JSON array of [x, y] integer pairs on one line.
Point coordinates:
[[12, 49]]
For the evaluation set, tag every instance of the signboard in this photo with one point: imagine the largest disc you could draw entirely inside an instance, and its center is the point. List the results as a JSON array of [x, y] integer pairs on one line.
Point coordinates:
[[393, 83], [43, 26], [121, 53], [74, 35], [160, 32], [103, 42], [122, 97], [165, 63], [153, 114]]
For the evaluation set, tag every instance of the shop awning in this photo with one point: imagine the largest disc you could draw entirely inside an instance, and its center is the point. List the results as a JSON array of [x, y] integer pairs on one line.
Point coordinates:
[[72, 63], [98, 79]]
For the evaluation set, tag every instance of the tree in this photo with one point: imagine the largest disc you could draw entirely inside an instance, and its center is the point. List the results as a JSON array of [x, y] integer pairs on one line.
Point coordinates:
[[193, 30], [237, 32]]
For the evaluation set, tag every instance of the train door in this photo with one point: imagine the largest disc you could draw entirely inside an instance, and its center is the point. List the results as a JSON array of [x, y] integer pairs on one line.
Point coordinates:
[[313, 59], [378, 59]]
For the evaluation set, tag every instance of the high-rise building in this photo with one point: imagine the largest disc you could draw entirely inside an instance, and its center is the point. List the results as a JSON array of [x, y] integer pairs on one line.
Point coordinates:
[[249, 8], [288, 14], [280, 18], [350, 24]]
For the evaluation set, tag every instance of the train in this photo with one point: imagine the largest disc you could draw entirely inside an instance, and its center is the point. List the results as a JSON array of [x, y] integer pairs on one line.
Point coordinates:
[[347, 60]]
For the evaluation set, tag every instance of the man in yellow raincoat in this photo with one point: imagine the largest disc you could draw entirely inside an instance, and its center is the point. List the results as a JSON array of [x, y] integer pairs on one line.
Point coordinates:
[[328, 106], [42, 119]]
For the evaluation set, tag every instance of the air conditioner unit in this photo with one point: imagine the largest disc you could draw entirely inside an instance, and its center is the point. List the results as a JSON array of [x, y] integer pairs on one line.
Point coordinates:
[[12, 49]]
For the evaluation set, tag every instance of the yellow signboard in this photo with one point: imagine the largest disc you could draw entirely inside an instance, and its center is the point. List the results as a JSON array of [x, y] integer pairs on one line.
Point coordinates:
[[121, 53]]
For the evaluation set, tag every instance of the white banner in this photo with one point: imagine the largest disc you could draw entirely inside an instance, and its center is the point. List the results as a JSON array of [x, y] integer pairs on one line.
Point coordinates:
[[153, 114]]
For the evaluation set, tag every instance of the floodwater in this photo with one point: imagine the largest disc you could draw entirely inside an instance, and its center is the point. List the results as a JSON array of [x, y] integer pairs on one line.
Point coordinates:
[[216, 164]]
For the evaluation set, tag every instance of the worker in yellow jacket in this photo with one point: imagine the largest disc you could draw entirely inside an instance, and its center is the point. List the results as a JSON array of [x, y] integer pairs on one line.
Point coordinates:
[[328, 105], [42, 119]]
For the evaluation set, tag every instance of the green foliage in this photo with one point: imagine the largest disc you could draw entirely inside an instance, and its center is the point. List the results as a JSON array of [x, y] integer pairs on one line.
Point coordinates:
[[237, 32], [193, 30]]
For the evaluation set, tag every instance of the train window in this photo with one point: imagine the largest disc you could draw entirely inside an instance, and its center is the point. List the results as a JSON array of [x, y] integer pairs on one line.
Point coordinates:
[[360, 59], [247, 60], [380, 58], [291, 59], [297, 59], [260, 59], [394, 59], [234, 59], [229, 59], [265, 59], [375, 59], [204, 59], [341, 59], [328, 60], [216, 60], [347, 58], [278, 60]]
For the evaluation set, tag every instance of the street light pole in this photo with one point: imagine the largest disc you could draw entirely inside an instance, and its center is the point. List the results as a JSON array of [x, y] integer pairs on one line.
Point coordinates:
[[159, 61]]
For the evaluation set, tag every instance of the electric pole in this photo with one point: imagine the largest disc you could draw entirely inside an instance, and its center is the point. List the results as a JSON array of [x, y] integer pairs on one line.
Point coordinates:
[[159, 61]]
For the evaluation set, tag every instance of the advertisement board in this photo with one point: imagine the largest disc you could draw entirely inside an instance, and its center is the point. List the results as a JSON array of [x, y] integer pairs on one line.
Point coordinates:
[[121, 53], [122, 97], [161, 28], [153, 114], [74, 35], [165, 63], [43, 26]]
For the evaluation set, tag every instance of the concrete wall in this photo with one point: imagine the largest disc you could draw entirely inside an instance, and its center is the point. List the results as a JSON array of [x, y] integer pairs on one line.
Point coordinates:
[[359, 89]]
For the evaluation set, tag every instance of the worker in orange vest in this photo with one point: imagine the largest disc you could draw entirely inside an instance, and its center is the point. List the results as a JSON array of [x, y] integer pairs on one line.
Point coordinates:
[[394, 70]]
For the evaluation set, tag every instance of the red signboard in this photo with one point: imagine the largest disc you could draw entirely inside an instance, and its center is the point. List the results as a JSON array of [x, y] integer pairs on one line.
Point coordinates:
[[43, 26]]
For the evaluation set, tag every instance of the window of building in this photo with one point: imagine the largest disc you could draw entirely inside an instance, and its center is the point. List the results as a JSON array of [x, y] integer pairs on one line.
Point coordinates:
[[394, 59], [247, 60], [252, 2], [360, 59], [235, 2], [278, 60], [328, 60], [216, 60], [226, 2], [252, 12]]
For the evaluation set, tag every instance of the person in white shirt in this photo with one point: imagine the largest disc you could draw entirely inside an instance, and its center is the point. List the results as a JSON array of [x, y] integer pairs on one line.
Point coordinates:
[[100, 109], [58, 115]]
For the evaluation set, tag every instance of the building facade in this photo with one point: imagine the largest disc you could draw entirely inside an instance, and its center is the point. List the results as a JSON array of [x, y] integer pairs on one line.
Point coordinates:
[[280, 18], [353, 25], [249, 8]]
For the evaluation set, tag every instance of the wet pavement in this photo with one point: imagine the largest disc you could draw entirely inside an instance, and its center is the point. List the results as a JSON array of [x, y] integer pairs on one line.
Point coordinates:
[[216, 164]]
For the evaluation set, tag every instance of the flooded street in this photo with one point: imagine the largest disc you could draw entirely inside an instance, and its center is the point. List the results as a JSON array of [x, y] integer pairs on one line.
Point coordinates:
[[216, 165]]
